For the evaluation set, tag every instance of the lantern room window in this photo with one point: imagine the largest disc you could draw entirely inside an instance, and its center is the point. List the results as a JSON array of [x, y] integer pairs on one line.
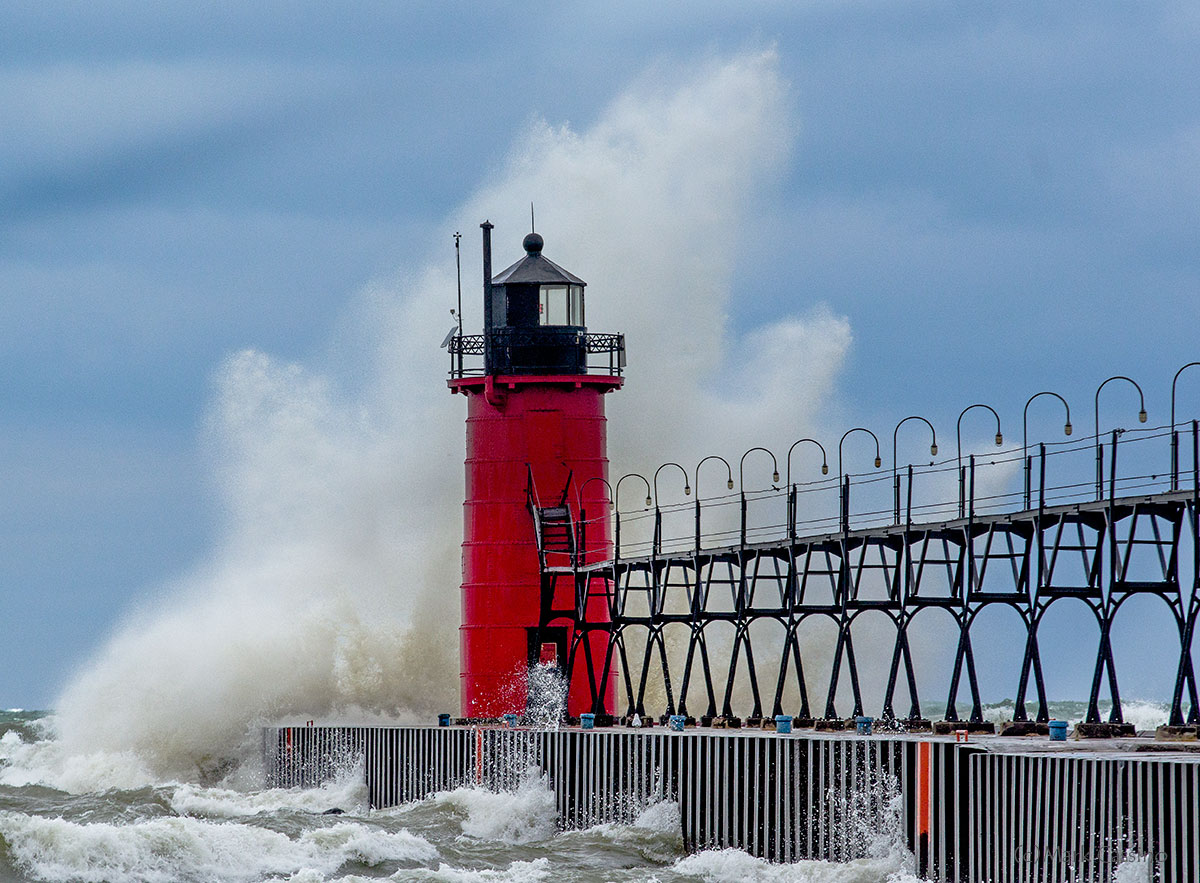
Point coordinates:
[[560, 305]]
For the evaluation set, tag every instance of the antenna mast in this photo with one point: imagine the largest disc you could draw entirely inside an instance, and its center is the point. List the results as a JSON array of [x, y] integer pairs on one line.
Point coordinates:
[[458, 270]]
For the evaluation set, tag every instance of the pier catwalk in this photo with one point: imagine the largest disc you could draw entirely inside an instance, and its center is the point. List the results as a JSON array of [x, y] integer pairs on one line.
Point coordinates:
[[717, 631]]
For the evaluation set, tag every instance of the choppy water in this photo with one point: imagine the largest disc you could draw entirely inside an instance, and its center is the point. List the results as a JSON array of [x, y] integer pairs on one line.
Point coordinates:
[[1145, 715], [100, 818]]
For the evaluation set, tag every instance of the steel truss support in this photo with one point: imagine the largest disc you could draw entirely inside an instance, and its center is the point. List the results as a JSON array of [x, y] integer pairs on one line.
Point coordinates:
[[713, 616]]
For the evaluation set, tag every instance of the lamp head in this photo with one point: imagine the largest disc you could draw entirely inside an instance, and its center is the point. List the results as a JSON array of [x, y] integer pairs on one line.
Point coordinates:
[[878, 462], [933, 450], [824, 468], [649, 502], [729, 484], [1067, 429], [999, 439], [775, 476], [686, 489], [1142, 416]]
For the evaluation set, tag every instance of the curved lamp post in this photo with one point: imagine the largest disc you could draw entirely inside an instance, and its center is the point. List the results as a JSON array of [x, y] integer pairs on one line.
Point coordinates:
[[728, 472], [617, 504], [583, 515], [1141, 419], [696, 482], [742, 481], [1067, 429], [604, 481], [1174, 437], [792, 490], [933, 449], [962, 481], [687, 489], [621, 480], [841, 480]]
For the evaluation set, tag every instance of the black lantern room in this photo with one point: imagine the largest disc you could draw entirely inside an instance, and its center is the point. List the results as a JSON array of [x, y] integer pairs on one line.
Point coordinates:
[[534, 317]]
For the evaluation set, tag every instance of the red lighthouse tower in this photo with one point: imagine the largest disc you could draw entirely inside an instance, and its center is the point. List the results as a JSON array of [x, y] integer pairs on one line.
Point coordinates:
[[536, 436]]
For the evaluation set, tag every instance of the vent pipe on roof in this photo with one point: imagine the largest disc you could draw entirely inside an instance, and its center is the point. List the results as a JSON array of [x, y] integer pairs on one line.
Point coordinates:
[[486, 226]]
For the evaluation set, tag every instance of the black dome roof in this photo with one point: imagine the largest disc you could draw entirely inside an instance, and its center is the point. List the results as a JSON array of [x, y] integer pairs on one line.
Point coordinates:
[[534, 269]]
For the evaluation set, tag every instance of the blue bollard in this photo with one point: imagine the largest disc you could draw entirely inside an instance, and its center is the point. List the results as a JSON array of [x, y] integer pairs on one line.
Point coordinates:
[[676, 722], [587, 721], [862, 725], [443, 720], [1058, 731], [783, 723]]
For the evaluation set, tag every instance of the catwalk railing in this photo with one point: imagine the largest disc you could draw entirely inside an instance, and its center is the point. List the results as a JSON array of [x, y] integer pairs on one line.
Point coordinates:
[[710, 602]]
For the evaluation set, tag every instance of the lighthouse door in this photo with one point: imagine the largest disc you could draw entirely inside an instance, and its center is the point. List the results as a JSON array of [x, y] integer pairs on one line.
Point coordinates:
[[548, 646]]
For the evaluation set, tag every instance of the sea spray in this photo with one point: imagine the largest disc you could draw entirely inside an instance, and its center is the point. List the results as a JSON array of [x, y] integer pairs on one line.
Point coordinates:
[[1134, 868], [547, 696], [537, 694], [37, 757], [334, 580], [866, 834]]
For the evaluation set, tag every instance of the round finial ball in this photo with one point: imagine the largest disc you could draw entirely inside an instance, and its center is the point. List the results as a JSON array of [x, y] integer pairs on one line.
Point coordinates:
[[533, 243]]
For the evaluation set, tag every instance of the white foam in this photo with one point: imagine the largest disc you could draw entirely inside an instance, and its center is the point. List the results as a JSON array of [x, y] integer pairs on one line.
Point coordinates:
[[1134, 869], [1145, 714], [517, 872], [47, 762], [308, 875], [999, 712], [170, 849], [655, 833], [661, 818], [348, 793], [871, 832], [734, 865], [527, 815]]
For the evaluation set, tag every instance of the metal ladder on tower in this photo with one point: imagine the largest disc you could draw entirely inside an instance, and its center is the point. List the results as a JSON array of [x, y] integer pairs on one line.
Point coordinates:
[[554, 525], [557, 529]]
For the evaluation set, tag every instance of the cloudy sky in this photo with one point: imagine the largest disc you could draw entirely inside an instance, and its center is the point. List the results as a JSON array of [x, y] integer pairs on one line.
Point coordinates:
[[984, 202]]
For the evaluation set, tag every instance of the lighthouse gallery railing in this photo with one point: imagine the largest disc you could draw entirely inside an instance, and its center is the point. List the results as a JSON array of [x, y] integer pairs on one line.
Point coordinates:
[[514, 343]]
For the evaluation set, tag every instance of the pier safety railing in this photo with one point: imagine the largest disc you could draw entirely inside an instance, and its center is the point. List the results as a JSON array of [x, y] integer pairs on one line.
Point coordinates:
[[708, 594], [969, 813]]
